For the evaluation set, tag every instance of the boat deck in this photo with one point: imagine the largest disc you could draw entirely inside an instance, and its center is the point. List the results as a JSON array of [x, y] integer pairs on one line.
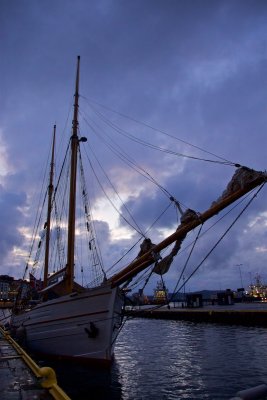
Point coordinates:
[[18, 379], [249, 314]]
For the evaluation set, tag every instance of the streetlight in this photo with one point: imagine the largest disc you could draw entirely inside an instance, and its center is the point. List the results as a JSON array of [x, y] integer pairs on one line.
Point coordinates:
[[240, 265], [184, 302], [242, 286]]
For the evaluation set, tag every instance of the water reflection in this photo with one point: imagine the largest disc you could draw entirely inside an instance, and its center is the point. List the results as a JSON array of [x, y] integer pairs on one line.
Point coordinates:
[[173, 360], [180, 360], [163, 363], [83, 383]]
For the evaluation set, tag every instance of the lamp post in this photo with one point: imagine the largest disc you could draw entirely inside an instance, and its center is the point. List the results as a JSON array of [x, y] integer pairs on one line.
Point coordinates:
[[242, 286], [184, 302], [240, 265]]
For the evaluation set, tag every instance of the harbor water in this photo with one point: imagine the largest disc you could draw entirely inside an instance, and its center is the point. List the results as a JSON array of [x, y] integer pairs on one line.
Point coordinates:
[[162, 359]]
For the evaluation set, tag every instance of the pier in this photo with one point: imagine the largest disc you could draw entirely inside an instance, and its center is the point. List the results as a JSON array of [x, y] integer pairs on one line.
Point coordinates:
[[22, 378], [248, 314]]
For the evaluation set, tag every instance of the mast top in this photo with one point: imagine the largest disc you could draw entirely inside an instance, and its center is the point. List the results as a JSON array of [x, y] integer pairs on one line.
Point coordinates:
[[75, 122]]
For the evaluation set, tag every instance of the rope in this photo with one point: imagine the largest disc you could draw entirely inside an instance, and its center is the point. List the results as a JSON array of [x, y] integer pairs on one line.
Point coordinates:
[[122, 155], [220, 219], [108, 198], [221, 238], [186, 263], [128, 251], [97, 257], [223, 160]]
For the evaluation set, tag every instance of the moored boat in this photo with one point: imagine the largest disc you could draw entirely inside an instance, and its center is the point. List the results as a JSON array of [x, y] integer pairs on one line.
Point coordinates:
[[73, 321]]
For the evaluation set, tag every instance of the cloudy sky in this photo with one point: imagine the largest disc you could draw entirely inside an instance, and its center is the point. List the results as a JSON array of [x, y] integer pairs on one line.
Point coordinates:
[[196, 70]]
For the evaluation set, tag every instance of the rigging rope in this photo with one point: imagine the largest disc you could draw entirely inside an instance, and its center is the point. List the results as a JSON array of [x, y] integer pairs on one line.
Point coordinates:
[[221, 238], [216, 222], [37, 224], [223, 160], [34, 237], [108, 198], [131, 248], [122, 155], [92, 243], [187, 260], [39, 220], [60, 192]]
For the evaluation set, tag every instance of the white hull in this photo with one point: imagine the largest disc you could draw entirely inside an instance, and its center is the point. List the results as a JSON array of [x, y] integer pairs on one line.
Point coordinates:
[[63, 327]]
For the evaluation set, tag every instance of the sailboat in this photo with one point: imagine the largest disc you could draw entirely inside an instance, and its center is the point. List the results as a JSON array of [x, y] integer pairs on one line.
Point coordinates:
[[76, 322]]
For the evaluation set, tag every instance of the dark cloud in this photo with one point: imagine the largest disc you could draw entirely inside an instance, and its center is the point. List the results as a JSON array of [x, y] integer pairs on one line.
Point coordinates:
[[11, 218]]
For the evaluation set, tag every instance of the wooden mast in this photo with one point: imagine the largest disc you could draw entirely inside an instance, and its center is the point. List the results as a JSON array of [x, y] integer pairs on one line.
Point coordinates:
[[147, 259], [72, 195], [49, 208]]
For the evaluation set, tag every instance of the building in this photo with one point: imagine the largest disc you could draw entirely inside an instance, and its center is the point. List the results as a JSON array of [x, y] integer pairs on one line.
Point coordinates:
[[258, 290], [9, 288]]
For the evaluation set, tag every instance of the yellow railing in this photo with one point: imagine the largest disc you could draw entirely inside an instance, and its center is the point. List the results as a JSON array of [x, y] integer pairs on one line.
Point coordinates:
[[48, 375]]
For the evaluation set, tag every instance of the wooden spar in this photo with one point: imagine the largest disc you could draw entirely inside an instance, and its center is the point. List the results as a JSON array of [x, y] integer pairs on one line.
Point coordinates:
[[72, 195], [147, 259], [49, 208]]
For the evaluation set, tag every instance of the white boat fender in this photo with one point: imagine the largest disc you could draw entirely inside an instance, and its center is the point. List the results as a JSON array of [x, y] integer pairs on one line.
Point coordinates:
[[93, 331]]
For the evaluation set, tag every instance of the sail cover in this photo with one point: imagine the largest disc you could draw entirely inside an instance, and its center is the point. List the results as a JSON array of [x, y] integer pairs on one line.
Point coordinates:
[[241, 178], [162, 267]]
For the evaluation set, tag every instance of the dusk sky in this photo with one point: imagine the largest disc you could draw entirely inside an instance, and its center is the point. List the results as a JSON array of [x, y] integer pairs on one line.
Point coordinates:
[[195, 70]]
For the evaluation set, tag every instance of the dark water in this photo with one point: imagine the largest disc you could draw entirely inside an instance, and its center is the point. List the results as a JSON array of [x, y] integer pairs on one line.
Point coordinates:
[[174, 360]]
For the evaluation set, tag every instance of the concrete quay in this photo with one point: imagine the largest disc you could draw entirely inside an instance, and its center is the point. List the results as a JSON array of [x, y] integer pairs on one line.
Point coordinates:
[[248, 314], [21, 378]]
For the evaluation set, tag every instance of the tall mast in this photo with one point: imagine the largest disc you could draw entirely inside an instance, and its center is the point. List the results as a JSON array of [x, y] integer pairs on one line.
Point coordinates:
[[72, 196], [49, 208]]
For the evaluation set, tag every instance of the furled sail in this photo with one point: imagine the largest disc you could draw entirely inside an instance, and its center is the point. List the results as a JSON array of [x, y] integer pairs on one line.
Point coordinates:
[[163, 266], [241, 178]]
